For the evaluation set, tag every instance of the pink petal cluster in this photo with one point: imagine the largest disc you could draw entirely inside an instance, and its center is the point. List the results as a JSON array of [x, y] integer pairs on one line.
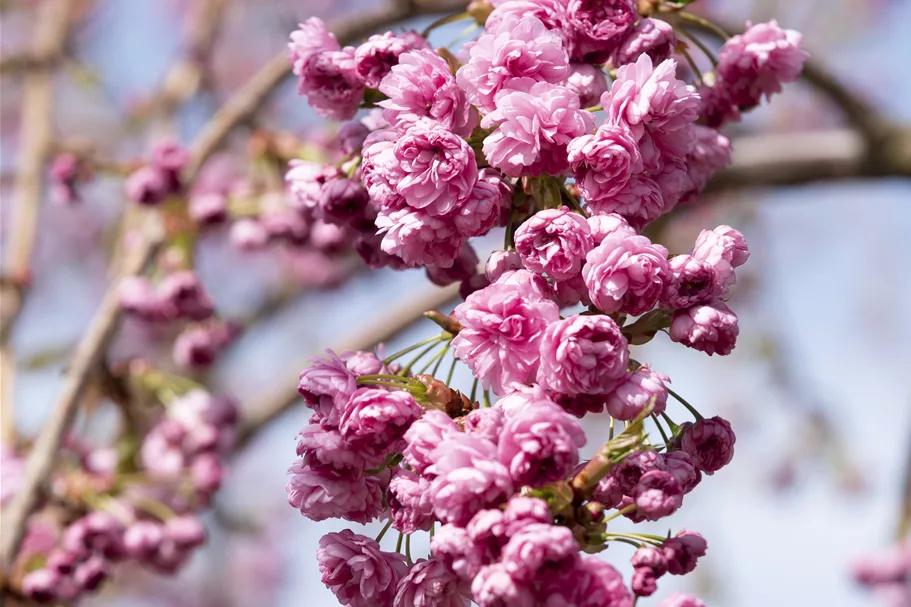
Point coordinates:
[[518, 49], [583, 355], [683, 551], [710, 442], [330, 81], [422, 86], [502, 328], [429, 583], [603, 163], [424, 436], [376, 57], [626, 274], [322, 493], [690, 282], [711, 328], [357, 571], [375, 420], [754, 64], [409, 502], [533, 126], [639, 389], [540, 443], [600, 26], [723, 248], [652, 37], [435, 170], [554, 242], [588, 81], [467, 477]]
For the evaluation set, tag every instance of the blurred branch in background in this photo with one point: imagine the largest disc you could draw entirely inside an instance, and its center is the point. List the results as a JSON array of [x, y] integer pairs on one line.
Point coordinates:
[[35, 142], [251, 97], [89, 353]]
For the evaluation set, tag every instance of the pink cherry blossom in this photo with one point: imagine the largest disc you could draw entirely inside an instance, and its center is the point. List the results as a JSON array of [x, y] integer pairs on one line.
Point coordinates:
[[429, 583], [310, 38], [588, 81], [554, 242], [599, 26], [357, 571], [710, 442], [626, 273], [502, 327], [639, 389], [321, 494], [691, 281], [583, 355], [468, 477], [533, 127], [375, 57], [653, 37], [683, 550], [424, 436], [540, 444], [375, 420], [711, 328], [331, 83], [519, 48], [604, 162], [756, 63], [422, 86], [408, 497]]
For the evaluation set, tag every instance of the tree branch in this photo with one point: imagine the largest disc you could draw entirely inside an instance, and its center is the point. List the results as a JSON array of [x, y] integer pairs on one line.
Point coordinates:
[[793, 159], [36, 140], [89, 353], [252, 95], [380, 330]]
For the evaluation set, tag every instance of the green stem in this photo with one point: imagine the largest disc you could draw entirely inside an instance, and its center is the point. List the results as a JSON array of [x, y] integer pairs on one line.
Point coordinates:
[[474, 391], [621, 512], [660, 429], [610, 436], [689, 407], [487, 398], [421, 354], [408, 549], [412, 348], [451, 371], [626, 541], [379, 538], [673, 427], [706, 24], [692, 62], [398, 544], [692, 38], [444, 21], [594, 108], [440, 361], [437, 358]]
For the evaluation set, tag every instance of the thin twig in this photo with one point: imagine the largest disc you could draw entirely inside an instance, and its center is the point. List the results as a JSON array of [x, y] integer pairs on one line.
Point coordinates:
[[37, 138], [380, 330], [89, 353]]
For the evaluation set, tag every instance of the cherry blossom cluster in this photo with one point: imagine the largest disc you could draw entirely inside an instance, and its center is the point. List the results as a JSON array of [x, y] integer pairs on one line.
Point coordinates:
[[887, 574], [110, 506], [519, 129]]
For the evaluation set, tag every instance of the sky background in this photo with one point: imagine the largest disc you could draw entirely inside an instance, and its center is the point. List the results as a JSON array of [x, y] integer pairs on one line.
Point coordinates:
[[824, 340]]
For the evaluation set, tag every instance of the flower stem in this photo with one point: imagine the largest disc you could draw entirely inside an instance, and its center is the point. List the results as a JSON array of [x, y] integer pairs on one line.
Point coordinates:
[[689, 407], [408, 549], [621, 512], [692, 62], [437, 358], [420, 355], [440, 361], [660, 429], [412, 348], [451, 371], [446, 20], [706, 24], [379, 538], [398, 544], [692, 38]]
